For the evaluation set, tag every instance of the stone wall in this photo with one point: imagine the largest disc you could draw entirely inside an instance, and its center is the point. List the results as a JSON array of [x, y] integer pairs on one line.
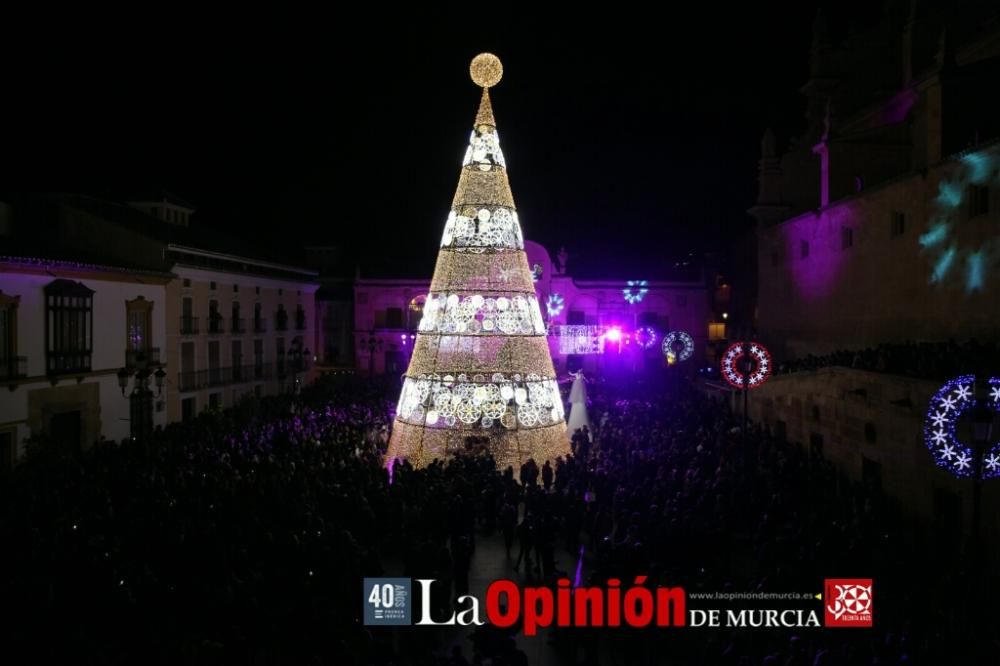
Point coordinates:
[[907, 260], [872, 424]]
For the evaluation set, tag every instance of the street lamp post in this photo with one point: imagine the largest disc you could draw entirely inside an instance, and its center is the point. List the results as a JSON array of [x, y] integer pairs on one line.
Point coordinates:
[[747, 363], [141, 398], [372, 343], [301, 363], [982, 428]]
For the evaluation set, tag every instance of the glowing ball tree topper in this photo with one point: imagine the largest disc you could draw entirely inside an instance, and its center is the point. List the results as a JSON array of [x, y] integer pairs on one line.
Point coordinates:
[[955, 398], [635, 291], [677, 346], [734, 358]]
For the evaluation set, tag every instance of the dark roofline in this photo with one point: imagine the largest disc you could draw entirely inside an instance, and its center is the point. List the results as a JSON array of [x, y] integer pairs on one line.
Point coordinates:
[[42, 263], [162, 196]]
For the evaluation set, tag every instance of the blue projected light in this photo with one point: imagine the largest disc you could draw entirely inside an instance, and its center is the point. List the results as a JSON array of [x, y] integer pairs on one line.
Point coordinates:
[[974, 268], [979, 167], [937, 233], [952, 258], [949, 194], [943, 264]]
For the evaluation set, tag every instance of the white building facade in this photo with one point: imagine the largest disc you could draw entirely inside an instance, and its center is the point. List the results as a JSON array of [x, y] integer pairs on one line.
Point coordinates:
[[66, 332]]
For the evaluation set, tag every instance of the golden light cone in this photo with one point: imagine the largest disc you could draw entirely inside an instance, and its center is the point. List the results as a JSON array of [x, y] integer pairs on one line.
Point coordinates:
[[481, 365]]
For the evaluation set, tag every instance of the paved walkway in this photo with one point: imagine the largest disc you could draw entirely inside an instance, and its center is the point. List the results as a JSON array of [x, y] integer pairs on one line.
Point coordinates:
[[490, 563]]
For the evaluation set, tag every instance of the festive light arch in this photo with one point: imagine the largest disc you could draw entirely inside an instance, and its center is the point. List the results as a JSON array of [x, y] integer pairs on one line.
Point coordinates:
[[554, 304], [953, 399], [645, 337], [672, 340], [635, 291], [731, 365]]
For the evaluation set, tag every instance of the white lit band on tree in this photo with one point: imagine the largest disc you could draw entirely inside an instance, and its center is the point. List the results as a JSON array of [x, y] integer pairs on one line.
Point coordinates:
[[481, 364]]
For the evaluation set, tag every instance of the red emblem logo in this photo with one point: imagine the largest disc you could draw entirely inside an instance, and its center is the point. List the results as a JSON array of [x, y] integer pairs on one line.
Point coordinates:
[[847, 602]]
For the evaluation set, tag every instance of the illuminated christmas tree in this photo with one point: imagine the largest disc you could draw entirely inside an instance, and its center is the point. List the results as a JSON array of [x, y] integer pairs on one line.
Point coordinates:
[[481, 365]]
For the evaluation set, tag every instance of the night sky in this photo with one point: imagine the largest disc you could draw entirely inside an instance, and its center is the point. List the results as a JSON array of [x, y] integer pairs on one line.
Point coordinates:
[[629, 140]]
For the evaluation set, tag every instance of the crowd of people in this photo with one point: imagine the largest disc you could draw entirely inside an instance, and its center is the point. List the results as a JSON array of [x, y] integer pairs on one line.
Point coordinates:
[[923, 360], [244, 536]]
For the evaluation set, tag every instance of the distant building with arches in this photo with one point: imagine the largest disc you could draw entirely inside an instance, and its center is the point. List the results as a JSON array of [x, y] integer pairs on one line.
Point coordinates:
[[387, 314]]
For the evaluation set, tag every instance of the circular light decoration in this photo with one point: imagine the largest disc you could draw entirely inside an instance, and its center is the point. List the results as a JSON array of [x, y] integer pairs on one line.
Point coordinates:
[[731, 365], [486, 70], [635, 291], [953, 399], [645, 337], [677, 346], [555, 304]]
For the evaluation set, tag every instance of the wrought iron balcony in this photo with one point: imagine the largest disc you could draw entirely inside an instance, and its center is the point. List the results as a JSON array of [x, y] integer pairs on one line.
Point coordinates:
[[216, 324], [260, 325], [142, 358], [238, 325], [300, 323], [68, 362], [237, 374], [14, 367]]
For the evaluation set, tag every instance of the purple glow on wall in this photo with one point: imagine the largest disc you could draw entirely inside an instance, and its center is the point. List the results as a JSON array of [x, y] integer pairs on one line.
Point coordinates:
[[815, 275], [898, 107]]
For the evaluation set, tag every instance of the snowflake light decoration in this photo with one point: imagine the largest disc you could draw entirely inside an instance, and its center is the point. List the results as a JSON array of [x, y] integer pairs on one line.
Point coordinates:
[[677, 346], [955, 398], [635, 291], [645, 337], [735, 375], [554, 305]]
